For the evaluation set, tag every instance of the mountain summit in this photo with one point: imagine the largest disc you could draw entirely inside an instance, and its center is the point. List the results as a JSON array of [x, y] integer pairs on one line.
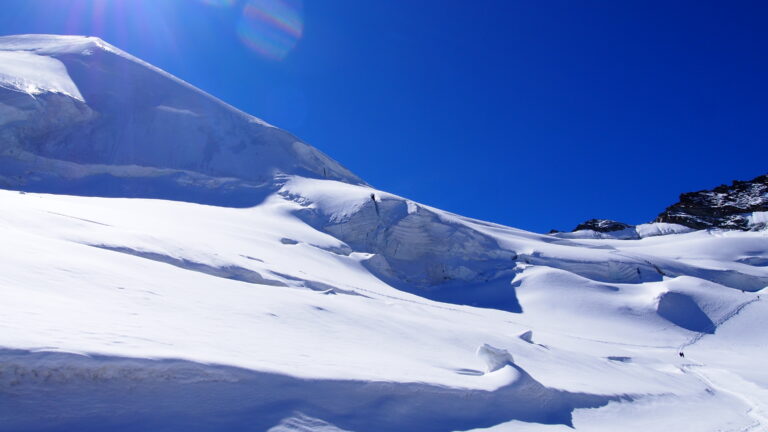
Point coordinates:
[[737, 206], [80, 116], [741, 206]]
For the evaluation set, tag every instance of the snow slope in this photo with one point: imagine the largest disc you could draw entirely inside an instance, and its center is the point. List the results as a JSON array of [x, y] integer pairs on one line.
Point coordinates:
[[79, 116], [99, 292], [308, 301]]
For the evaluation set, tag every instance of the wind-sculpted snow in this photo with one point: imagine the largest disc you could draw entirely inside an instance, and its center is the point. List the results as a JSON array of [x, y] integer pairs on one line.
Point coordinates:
[[76, 108], [417, 246], [303, 423], [227, 272], [495, 358], [249, 289], [447, 258], [32, 74], [626, 233], [52, 392], [683, 311], [304, 300]]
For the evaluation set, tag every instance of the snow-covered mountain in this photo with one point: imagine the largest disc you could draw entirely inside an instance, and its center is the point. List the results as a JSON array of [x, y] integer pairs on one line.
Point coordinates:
[[79, 116], [306, 300]]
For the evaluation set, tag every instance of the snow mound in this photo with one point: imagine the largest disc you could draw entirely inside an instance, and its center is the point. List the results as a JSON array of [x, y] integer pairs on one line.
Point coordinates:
[[413, 244], [758, 220], [494, 358], [526, 336], [660, 228], [303, 423], [628, 232]]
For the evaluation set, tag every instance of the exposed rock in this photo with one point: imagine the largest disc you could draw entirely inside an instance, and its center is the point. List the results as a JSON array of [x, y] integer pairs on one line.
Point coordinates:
[[728, 207], [741, 206], [602, 225]]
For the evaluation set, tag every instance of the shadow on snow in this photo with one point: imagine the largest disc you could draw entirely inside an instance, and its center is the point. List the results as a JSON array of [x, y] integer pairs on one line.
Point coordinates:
[[52, 392]]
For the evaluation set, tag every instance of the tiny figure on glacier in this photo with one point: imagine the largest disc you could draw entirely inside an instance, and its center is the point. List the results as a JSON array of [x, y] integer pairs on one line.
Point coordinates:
[[375, 203]]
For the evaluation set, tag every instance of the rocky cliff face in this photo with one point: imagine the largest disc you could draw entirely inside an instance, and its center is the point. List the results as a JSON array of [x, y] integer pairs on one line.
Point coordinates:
[[602, 225], [741, 206], [729, 207]]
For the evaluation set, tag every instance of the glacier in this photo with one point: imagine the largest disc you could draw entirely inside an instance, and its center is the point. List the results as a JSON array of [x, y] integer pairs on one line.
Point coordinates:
[[84, 117], [171, 263]]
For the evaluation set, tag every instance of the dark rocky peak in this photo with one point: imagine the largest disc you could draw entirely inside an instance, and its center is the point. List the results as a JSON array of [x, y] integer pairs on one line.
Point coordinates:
[[602, 225], [725, 206]]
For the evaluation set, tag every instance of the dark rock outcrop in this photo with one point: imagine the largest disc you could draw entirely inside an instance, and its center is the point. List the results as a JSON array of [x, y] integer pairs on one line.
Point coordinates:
[[602, 225], [727, 207]]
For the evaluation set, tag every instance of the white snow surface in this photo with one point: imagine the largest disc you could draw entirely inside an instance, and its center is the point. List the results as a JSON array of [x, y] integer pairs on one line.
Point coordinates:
[[758, 219], [76, 113], [319, 303], [632, 233], [34, 74], [260, 289]]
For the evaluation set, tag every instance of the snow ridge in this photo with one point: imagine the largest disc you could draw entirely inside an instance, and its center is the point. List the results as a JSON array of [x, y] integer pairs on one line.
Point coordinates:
[[70, 125]]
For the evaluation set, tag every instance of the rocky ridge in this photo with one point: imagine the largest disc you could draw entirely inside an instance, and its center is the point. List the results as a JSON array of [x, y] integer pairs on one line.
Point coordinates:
[[727, 207], [743, 206]]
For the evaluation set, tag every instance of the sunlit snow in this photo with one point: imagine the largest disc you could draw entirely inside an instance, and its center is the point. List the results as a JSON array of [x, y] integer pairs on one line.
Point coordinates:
[[318, 303]]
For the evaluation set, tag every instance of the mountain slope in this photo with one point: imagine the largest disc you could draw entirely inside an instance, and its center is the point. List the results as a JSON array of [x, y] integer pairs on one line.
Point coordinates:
[[325, 304], [82, 117], [256, 298]]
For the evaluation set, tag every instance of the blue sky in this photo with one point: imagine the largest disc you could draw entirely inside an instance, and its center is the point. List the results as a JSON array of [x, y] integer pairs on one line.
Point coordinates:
[[533, 114]]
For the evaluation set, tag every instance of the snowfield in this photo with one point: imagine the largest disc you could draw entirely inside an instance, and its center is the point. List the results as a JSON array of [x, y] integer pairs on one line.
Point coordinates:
[[254, 284], [134, 293]]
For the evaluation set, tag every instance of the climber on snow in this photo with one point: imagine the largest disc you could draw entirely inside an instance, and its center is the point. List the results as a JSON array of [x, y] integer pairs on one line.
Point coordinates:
[[375, 203]]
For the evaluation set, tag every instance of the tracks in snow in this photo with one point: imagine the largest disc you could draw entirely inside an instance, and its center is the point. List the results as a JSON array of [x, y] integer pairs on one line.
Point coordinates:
[[717, 324], [725, 381], [730, 383]]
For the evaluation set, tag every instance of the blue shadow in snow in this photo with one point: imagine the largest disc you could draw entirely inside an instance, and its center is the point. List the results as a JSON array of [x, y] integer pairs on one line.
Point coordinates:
[[681, 310], [58, 392]]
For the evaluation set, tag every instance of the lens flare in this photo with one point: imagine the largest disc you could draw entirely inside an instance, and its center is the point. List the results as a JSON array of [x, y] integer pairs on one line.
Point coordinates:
[[118, 20], [272, 28]]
